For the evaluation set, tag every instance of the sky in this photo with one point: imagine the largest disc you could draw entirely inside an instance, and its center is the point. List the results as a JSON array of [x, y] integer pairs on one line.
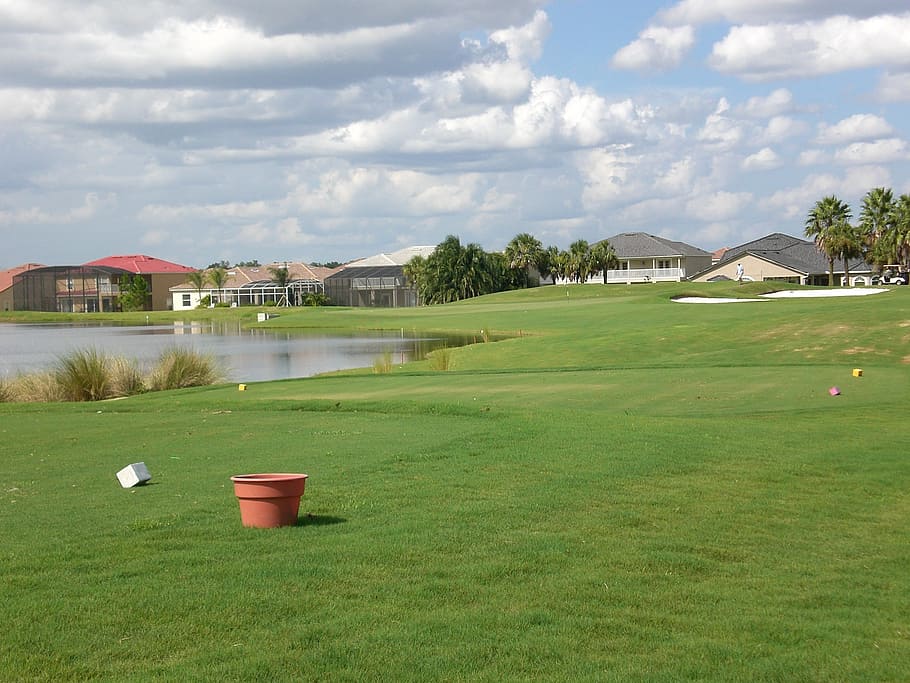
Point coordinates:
[[205, 130]]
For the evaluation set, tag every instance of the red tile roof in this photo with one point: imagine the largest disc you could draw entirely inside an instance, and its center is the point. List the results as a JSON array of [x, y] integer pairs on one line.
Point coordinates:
[[140, 263], [6, 276]]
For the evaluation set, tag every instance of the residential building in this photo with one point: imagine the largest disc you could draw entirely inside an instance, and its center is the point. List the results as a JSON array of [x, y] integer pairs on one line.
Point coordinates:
[[783, 258], [649, 258], [377, 281], [255, 286], [6, 284], [94, 287]]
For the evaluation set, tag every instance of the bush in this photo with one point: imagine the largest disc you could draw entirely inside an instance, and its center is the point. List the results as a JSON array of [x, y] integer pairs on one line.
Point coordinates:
[[36, 387], [383, 364], [83, 375], [179, 368], [205, 301], [6, 394], [440, 359], [125, 377]]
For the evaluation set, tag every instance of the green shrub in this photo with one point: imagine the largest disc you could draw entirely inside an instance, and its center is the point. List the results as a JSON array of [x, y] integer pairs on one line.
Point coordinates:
[[6, 394], [383, 364], [83, 375], [178, 368], [440, 359]]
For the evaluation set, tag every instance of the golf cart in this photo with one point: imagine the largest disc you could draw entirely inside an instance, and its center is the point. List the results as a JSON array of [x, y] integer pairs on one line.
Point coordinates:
[[892, 275]]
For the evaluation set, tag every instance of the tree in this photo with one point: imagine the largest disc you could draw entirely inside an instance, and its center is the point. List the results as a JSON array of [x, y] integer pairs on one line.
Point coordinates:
[[218, 277], [281, 277], [547, 265], [199, 279], [522, 253], [248, 264], [133, 292], [219, 264], [603, 257], [579, 263], [415, 271], [454, 272], [900, 237], [846, 242], [826, 218], [877, 220]]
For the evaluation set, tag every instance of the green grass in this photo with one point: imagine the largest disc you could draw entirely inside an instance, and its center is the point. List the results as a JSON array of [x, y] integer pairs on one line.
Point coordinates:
[[626, 489]]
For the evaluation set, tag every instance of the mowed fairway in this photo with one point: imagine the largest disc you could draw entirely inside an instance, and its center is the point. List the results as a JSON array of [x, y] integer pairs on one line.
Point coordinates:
[[626, 489]]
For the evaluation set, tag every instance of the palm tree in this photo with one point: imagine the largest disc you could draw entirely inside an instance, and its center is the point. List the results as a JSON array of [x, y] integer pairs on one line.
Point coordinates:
[[547, 263], [199, 279], [523, 252], [415, 272], [603, 257], [901, 238], [846, 242], [579, 263], [826, 217], [281, 276], [877, 220], [218, 277]]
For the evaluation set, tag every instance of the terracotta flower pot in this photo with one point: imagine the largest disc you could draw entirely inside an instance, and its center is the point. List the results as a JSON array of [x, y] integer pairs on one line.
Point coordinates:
[[269, 500]]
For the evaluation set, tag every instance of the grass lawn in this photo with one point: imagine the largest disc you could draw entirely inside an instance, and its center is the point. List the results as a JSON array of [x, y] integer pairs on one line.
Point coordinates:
[[627, 488]]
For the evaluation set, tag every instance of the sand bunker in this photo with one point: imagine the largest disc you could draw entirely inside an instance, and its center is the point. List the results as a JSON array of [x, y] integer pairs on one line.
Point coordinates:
[[787, 294]]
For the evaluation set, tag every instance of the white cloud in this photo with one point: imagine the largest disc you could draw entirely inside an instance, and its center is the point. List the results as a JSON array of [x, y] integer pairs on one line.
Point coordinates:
[[853, 128], [720, 131], [657, 48], [894, 87], [763, 11], [813, 157], [776, 103], [765, 159], [795, 203], [839, 43], [877, 152], [718, 206], [780, 128]]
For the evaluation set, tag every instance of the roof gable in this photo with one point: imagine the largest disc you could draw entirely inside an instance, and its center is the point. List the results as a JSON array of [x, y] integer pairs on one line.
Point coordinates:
[[642, 245], [6, 276], [141, 264]]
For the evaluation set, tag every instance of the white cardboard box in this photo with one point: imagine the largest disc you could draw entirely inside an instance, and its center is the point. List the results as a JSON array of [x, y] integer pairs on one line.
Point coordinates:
[[133, 475]]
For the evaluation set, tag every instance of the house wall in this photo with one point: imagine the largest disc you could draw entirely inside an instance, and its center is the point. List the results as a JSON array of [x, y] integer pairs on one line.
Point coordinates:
[[6, 299], [754, 268], [161, 283]]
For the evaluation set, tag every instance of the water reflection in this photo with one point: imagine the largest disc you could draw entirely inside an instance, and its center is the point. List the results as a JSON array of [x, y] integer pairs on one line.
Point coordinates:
[[246, 355]]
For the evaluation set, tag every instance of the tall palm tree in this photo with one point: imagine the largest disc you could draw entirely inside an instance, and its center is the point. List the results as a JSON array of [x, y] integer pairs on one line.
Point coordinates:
[[218, 277], [547, 263], [603, 257], [523, 252], [579, 261], [826, 217], [415, 272], [877, 220], [901, 239], [281, 276], [199, 279], [846, 242]]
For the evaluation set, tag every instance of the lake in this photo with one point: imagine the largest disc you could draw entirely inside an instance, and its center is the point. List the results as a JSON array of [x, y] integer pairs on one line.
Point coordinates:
[[245, 355]]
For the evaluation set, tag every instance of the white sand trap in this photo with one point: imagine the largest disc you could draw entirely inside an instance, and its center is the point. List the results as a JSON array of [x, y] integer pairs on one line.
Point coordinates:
[[805, 293], [712, 300], [787, 294]]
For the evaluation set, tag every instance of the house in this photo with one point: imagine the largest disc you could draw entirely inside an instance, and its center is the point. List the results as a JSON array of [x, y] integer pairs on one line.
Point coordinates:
[[648, 258], [782, 258], [94, 287], [255, 286], [6, 284], [377, 281]]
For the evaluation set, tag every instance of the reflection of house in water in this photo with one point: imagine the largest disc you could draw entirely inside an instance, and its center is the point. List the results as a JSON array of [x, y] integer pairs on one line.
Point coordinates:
[[94, 287], [377, 281]]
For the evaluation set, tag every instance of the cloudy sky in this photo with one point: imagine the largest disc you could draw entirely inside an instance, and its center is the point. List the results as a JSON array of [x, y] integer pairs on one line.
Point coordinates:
[[315, 130]]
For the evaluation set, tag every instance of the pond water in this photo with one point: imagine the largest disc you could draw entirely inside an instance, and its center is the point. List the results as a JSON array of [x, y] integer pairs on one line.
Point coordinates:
[[245, 355]]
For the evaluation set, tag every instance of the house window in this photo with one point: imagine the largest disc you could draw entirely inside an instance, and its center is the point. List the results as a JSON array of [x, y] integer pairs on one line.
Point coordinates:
[[186, 299], [663, 264]]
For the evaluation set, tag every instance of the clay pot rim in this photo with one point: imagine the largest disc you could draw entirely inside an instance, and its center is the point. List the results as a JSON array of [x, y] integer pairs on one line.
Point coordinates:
[[267, 477]]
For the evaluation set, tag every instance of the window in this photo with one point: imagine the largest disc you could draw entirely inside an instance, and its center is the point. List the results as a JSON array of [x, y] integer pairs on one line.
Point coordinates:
[[186, 300], [663, 264]]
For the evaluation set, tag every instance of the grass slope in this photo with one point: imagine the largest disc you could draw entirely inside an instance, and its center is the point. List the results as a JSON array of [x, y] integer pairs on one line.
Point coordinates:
[[633, 489]]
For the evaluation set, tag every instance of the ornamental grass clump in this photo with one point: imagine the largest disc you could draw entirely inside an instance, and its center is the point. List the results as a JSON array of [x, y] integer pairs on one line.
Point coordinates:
[[125, 377], [440, 359], [35, 387], [5, 392], [180, 368], [383, 364], [84, 375]]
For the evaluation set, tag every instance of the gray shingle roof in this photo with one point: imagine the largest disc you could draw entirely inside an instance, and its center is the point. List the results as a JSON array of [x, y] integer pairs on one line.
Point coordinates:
[[643, 245], [795, 253]]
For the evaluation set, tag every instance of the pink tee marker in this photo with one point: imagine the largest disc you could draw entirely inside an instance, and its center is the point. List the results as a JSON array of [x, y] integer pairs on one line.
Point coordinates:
[[834, 391]]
